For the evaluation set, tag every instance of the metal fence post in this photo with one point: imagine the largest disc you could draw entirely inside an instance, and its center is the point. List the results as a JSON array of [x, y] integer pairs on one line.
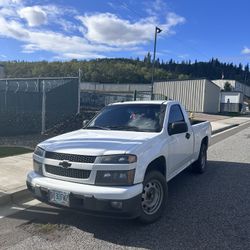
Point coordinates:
[[135, 95], [5, 96], [79, 91], [43, 108]]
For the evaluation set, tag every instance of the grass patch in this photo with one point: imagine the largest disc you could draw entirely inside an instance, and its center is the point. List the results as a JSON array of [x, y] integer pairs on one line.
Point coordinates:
[[10, 151]]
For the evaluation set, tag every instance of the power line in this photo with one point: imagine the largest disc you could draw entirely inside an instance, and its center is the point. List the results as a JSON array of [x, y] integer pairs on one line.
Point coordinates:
[[124, 5]]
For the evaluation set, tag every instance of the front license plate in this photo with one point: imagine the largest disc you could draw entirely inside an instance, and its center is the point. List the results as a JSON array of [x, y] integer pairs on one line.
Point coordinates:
[[59, 197]]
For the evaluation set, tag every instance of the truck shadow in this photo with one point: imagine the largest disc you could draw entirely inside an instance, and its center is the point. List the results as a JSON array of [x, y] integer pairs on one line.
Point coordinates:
[[203, 212]]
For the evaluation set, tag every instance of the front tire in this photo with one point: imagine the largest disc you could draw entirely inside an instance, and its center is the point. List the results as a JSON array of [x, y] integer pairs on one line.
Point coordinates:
[[154, 196]]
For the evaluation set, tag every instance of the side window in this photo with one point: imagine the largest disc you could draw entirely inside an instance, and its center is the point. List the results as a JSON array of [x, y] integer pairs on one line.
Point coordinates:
[[175, 114]]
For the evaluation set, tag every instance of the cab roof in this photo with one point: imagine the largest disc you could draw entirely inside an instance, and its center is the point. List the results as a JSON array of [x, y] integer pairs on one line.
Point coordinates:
[[143, 102]]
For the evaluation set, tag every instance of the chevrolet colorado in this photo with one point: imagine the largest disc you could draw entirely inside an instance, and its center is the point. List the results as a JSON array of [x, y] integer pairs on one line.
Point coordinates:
[[120, 162]]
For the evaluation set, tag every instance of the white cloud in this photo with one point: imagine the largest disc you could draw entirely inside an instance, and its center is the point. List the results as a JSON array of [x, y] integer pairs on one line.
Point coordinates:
[[156, 7], [34, 15], [246, 51], [9, 2], [65, 46], [66, 56], [107, 28], [173, 20], [80, 37], [184, 56]]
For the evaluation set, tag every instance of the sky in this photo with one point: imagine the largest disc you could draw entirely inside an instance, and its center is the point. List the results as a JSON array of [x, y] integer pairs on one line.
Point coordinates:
[[89, 29]]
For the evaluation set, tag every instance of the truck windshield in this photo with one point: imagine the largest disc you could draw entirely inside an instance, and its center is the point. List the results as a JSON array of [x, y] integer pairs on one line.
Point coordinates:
[[130, 117]]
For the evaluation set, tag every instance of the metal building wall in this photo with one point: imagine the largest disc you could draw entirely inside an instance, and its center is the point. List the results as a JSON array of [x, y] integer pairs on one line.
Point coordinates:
[[237, 86], [211, 97], [234, 97], [221, 83], [112, 87], [190, 93]]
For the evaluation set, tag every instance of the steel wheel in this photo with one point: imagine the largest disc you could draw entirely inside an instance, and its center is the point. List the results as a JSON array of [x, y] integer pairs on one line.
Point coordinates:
[[203, 158], [201, 164], [152, 197]]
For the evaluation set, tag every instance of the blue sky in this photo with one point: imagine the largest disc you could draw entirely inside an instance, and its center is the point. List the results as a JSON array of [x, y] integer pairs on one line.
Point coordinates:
[[87, 29]]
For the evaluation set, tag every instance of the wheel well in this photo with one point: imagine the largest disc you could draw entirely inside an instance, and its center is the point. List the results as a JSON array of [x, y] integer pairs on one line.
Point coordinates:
[[205, 141], [159, 164]]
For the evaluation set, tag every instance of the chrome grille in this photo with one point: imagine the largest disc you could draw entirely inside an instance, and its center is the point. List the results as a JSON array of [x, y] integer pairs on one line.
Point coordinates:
[[70, 157], [68, 172]]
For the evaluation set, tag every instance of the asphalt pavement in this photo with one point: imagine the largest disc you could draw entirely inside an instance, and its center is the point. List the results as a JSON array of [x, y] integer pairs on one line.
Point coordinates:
[[209, 211]]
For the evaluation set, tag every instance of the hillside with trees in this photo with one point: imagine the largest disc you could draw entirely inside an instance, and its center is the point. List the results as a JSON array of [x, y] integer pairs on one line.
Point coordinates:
[[122, 70]]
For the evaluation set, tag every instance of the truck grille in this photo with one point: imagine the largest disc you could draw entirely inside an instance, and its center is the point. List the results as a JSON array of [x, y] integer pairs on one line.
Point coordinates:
[[70, 157], [68, 172]]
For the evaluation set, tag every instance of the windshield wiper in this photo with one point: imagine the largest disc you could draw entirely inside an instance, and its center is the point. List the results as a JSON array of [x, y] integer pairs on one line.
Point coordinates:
[[97, 127], [124, 128]]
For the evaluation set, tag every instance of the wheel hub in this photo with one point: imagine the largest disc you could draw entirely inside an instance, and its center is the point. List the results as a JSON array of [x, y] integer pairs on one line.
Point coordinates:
[[152, 196]]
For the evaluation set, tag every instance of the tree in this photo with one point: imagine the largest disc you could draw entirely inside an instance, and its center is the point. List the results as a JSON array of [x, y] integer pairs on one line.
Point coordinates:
[[227, 87]]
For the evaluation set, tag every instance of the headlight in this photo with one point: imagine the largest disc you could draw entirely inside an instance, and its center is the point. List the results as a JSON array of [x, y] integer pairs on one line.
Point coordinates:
[[39, 151], [38, 167], [115, 178], [116, 159]]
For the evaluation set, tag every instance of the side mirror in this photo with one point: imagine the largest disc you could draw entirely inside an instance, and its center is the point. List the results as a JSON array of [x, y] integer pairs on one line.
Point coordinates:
[[177, 128], [84, 123]]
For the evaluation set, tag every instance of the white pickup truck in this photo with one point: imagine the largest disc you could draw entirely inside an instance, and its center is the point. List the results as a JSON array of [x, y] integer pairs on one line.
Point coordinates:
[[120, 162]]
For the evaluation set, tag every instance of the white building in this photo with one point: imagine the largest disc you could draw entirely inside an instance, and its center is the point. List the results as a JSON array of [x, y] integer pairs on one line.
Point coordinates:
[[236, 86], [199, 95], [114, 87], [231, 101]]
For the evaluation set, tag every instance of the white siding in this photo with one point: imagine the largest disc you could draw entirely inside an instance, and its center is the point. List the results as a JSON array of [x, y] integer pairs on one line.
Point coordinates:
[[190, 93], [222, 82], [237, 86], [211, 98], [233, 97], [195, 95], [110, 87]]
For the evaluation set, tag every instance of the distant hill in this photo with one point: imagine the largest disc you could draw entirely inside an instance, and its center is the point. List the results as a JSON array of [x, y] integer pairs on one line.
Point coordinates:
[[122, 70]]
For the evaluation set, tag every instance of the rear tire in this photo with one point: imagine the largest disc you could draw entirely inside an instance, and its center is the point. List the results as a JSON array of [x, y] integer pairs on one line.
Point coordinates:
[[154, 196], [200, 165]]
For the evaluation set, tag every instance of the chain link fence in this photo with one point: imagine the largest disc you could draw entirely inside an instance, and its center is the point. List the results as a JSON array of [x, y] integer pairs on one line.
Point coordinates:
[[101, 99], [32, 105], [97, 100]]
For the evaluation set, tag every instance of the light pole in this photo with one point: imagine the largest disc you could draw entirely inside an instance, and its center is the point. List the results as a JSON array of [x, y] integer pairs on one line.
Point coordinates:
[[157, 30]]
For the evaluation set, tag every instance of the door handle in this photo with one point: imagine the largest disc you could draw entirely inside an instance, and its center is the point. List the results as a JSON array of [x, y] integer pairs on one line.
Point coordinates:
[[188, 135]]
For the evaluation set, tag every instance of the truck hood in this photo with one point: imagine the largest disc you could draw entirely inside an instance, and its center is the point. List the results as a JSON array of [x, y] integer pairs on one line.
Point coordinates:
[[97, 142]]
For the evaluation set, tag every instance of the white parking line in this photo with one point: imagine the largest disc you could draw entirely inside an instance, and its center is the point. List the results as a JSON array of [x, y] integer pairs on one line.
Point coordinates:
[[14, 208]]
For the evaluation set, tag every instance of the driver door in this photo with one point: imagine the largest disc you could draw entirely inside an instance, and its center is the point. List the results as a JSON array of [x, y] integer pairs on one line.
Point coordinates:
[[180, 145]]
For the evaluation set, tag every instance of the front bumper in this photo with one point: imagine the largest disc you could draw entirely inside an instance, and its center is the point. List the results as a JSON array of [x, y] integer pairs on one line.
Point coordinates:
[[90, 199]]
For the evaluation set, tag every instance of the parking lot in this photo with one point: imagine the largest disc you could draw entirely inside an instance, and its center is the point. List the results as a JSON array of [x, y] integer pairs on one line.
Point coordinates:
[[209, 211]]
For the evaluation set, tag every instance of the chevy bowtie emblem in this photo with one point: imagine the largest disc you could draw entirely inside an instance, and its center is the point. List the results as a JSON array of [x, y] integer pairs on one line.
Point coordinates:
[[65, 164]]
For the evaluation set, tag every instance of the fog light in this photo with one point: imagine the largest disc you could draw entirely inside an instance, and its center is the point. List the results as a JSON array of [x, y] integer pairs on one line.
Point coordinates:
[[116, 204]]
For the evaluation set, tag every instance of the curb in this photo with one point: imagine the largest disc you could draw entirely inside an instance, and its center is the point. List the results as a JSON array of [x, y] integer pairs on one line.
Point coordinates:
[[216, 131], [15, 197], [219, 136]]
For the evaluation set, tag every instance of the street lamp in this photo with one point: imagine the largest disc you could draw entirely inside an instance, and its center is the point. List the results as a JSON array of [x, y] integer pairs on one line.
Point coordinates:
[[157, 31]]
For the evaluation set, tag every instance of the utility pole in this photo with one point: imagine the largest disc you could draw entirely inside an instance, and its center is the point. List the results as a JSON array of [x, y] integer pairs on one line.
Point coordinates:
[[157, 30]]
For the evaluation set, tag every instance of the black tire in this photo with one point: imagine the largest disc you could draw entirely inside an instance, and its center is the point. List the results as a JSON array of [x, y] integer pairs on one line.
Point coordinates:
[[154, 197], [200, 165]]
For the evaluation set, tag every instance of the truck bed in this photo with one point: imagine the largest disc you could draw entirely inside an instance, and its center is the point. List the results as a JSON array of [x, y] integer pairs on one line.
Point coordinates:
[[194, 122]]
